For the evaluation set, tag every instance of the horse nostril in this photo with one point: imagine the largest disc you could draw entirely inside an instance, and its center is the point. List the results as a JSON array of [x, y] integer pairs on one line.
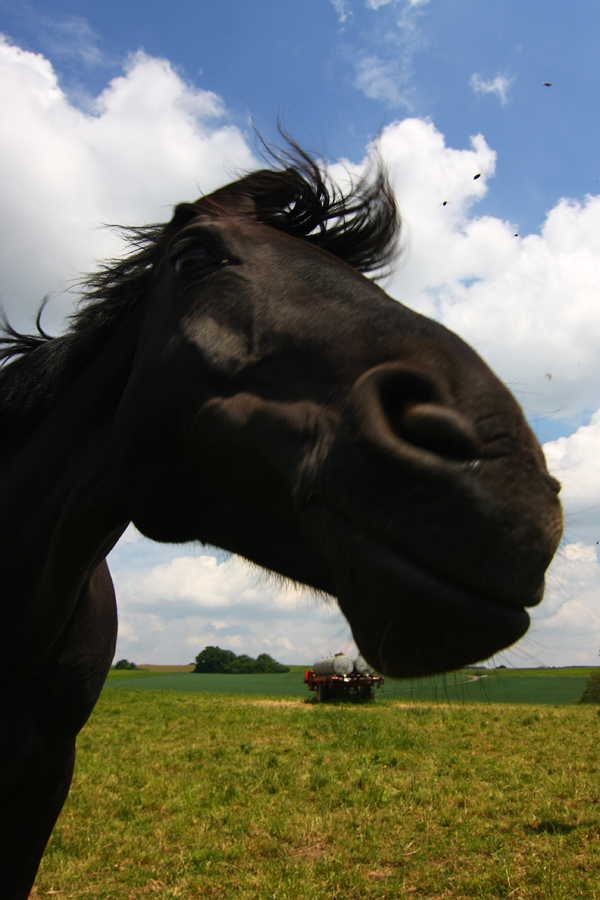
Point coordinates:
[[401, 409], [439, 430]]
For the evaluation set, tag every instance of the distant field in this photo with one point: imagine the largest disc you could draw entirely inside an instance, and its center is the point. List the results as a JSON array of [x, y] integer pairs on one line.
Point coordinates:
[[289, 684], [127, 674], [183, 796], [556, 686], [567, 671], [148, 669], [152, 668]]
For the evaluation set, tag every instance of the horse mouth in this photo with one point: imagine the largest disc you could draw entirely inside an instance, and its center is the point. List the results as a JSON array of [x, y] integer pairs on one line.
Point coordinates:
[[408, 621]]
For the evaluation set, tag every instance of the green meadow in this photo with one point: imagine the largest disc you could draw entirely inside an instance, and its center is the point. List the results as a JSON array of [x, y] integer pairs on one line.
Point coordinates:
[[197, 794]]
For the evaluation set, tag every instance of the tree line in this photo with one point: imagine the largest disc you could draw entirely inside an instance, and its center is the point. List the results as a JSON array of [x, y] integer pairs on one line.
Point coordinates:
[[225, 662]]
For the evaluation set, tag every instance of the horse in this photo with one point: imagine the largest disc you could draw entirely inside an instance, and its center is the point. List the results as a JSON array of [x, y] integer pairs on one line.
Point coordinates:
[[237, 379]]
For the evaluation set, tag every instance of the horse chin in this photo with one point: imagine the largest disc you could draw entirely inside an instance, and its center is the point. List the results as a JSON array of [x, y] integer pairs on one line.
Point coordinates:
[[408, 622]]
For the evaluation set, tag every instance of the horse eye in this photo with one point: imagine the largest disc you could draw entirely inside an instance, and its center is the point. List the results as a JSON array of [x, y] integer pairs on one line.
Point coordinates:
[[193, 257]]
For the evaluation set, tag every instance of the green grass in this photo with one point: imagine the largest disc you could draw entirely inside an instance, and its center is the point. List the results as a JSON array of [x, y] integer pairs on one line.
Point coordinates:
[[497, 686], [180, 795]]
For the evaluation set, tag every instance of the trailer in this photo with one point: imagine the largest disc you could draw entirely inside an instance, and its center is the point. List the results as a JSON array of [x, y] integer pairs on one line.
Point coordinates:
[[341, 676]]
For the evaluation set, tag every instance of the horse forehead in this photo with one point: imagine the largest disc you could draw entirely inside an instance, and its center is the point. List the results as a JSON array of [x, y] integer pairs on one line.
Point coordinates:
[[253, 238]]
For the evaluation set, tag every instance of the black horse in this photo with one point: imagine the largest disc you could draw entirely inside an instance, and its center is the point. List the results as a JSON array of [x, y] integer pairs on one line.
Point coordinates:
[[236, 380]]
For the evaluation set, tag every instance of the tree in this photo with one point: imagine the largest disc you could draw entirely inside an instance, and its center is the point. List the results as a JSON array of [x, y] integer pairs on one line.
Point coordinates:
[[125, 664], [213, 659], [591, 692], [225, 662], [244, 665], [268, 664]]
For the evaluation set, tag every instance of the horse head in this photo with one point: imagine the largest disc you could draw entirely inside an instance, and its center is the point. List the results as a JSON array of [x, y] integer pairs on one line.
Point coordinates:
[[283, 407]]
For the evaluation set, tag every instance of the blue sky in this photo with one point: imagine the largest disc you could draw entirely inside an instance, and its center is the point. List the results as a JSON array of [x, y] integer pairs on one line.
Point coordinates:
[[95, 131], [304, 60]]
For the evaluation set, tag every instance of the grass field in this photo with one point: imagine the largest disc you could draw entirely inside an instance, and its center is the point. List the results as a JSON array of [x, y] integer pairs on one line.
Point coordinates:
[[194, 795], [496, 686]]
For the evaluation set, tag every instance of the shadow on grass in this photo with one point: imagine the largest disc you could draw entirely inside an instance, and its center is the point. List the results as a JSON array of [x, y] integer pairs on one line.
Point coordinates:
[[551, 826], [342, 700]]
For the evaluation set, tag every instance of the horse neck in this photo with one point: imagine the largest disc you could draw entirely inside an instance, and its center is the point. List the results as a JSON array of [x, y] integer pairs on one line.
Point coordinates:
[[60, 512]]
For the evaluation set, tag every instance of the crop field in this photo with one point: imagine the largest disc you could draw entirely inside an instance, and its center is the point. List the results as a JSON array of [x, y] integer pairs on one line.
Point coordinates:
[[203, 795]]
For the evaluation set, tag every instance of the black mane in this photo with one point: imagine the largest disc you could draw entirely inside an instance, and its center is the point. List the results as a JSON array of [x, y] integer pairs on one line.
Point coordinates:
[[360, 226]]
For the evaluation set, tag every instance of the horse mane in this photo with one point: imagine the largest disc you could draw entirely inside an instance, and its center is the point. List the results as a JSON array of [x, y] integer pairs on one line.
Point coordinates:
[[360, 226]]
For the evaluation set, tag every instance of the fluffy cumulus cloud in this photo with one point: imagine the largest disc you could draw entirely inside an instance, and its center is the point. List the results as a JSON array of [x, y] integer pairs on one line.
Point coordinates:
[[528, 303], [150, 141], [175, 609], [567, 626], [575, 461], [565, 629]]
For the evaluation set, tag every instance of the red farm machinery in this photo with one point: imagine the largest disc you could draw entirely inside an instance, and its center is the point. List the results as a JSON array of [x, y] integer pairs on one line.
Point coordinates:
[[340, 676]]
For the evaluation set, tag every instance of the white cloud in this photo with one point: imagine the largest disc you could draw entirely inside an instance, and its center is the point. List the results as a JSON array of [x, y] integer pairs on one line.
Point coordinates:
[[498, 85], [383, 80], [202, 586], [342, 10], [152, 141], [529, 304], [578, 551], [575, 461], [384, 68], [72, 37], [566, 627], [375, 4], [173, 610]]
